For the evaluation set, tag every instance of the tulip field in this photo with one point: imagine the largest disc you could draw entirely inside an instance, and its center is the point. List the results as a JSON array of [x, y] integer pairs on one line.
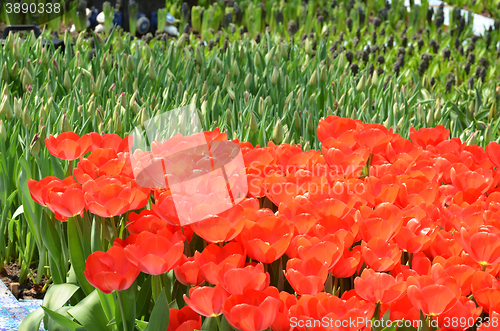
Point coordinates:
[[339, 170]]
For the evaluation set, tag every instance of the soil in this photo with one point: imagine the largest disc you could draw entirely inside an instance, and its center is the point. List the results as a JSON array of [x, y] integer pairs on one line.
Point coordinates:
[[27, 291]]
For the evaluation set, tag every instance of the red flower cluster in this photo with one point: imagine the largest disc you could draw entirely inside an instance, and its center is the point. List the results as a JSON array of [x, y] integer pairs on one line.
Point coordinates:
[[413, 224]]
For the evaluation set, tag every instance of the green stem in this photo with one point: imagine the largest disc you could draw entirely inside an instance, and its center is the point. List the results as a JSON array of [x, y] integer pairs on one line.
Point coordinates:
[[122, 310], [218, 322]]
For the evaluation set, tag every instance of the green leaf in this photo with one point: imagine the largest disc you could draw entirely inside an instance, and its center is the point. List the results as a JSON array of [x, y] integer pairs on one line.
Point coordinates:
[[90, 313], [210, 324], [77, 253], [129, 301], [64, 321], [160, 315], [141, 325], [56, 296], [32, 321]]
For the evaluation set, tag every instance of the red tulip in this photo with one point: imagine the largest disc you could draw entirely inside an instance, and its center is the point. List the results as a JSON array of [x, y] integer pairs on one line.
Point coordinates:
[[240, 280], [112, 141], [348, 263], [114, 195], [282, 321], [306, 276], [461, 317], [63, 197], [103, 162], [253, 310], [211, 260], [493, 151], [328, 250], [325, 306], [486, 291], [429, 136], [433, 297], [156, 254], [492, 324], [301, 213], [267, 239], [184, 319], [207, 301], [482, 244], [187, 272], [222, 227], [380, 255], [384, 221], [68, 145], [110, 271], [376, 287]]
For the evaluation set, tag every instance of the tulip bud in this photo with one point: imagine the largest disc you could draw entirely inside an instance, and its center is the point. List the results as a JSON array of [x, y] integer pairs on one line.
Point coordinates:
[[314, 78], [297, 121], [310, 123], [229, 116], [438, 113], [3, 131], [5, 73], [399, 126], [130, 64], [323, 75], [43, 133], [257, 60], [143, 117], [341, 101], [27, 79], [5, 108], [78, 59], [67, 81], [119, 44], [152, 71], [204, 108], [253, 122], [278, 133], [375, 78], [329, 111], [65, 124], [387, 123], [118, 124], [430, 119], [17, 108], [13, 71], [361, 84], [488, 135], [419, 113], [181, 41], [235, 70], [35, 146], [274, 76], [307, 146], [26, 117], [147, 51], [342, 60], [472, 139], [198, 56]]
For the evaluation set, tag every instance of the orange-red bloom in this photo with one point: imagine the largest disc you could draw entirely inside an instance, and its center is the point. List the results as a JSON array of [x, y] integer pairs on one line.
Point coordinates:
[[157, 253], [207, 301], [68, 145], [184, 319], [253, 310], [239, 280], [376, 287], [482, 244], [110, 271], [187, 272], [267, 239], [330, 307], [114, 195], [380, 255], [213, 258], [306, 276]]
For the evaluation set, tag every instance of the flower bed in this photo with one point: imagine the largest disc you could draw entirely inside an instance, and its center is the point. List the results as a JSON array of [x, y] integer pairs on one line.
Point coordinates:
[[372, 227]]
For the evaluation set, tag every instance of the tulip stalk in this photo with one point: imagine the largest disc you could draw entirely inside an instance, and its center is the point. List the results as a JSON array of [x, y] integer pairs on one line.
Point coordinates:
[[122, 310]]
